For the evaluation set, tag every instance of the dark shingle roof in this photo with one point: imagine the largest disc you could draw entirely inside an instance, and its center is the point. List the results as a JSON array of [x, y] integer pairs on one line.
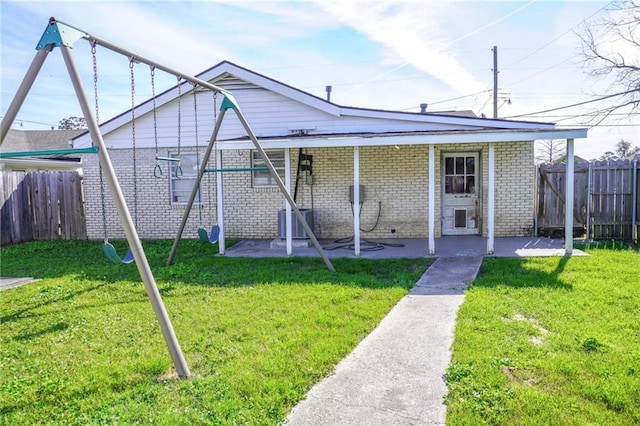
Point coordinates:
[[37, 140]]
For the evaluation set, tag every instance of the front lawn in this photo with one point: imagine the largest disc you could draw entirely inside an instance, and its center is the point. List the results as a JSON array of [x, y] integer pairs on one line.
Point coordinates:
[[82, 345], [549, 341]]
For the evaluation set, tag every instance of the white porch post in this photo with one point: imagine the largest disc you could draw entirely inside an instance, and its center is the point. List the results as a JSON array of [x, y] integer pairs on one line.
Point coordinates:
[[220, 201], [491, 198], [432, 199], [287, 182], [356, 200], [568, 205]]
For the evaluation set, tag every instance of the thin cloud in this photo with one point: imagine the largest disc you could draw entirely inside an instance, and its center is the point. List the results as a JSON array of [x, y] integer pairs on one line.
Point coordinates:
[[411, 31]]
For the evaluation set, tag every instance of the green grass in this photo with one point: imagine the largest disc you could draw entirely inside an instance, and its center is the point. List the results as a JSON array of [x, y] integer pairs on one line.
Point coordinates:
[[549, 341], [82, 345]]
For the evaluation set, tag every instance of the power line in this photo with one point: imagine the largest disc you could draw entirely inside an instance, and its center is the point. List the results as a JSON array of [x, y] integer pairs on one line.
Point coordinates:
[[573, 105], [446, 45], [554, 66], [559, 37]]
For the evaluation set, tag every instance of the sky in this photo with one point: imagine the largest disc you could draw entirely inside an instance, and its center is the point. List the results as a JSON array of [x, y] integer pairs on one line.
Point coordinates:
[[383, 54]]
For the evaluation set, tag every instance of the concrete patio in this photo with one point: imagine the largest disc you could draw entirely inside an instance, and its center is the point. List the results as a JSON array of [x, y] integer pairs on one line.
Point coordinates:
[[450, 246]]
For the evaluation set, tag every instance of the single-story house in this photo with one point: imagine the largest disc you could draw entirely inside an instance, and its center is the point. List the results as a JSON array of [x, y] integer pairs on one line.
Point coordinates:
[[417, 175], [38, 141]]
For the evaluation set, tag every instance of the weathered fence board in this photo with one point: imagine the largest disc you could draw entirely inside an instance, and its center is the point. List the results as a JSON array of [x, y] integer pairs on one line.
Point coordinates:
[[604, 198], [41, 206]]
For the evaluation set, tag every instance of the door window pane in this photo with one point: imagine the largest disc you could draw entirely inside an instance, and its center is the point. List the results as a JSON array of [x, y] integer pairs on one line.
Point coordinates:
[[471, 165], [470, 187], [448, 166], [448, 184], [459, 165], [458, 184]]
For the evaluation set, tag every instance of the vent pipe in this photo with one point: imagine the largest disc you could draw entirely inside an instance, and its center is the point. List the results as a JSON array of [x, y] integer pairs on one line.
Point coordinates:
[[423, 108], [328, 88]]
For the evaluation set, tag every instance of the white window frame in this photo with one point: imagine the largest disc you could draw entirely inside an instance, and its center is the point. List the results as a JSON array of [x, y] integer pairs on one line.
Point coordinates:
[[189, 168], [263, 178]]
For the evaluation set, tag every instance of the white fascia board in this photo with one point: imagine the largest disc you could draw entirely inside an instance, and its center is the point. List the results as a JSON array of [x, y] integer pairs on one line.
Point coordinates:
[[444, 119], [416, 139]]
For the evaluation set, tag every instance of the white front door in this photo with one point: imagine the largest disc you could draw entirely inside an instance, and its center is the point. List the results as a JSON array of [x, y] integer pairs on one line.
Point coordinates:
[[460, 205]]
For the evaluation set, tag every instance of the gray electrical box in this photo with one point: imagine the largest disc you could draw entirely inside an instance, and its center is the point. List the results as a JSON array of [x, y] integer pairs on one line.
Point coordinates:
[[362, 197]]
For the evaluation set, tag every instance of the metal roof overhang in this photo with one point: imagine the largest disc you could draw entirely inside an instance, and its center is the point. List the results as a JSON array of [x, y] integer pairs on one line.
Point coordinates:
[[413, 138]]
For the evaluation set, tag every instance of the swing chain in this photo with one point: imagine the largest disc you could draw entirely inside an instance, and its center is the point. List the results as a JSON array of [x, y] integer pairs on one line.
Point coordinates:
[[178, 166], [132, 61], [95, 94], [95, 79], [215, 107], [195, 122], [157, 171]]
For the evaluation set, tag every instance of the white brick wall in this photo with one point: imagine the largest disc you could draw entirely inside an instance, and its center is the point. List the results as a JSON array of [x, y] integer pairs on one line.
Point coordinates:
[[397, 178]]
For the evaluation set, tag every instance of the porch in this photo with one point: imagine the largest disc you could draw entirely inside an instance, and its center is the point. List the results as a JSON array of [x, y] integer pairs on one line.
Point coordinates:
[[448, 246]]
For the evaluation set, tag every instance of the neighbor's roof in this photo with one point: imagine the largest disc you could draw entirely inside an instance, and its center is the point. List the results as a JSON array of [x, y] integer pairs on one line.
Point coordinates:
[[37, 140]]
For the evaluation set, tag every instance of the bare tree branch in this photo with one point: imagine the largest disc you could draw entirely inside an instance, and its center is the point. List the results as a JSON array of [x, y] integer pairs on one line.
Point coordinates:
[[605, 47]]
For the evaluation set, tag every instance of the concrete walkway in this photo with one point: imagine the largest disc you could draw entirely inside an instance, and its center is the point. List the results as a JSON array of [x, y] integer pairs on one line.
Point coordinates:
[[395, 375], [7, 283]]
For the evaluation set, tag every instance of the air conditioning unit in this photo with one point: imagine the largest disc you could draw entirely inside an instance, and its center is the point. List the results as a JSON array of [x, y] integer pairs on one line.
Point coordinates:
[[297, 230]]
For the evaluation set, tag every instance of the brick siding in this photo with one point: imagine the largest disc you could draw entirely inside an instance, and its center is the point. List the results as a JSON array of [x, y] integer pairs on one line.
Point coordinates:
[[395, 181]]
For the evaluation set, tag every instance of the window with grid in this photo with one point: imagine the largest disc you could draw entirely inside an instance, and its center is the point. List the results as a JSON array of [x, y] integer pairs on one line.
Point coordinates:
[[181, 184], [263, 178]]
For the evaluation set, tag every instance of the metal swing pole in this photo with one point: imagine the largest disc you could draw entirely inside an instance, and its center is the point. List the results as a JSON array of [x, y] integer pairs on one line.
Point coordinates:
[[125, 218], [196, 186], [283, 188], [23, 90]]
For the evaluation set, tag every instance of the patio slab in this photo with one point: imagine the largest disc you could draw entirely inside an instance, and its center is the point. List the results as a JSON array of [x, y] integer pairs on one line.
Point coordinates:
[[458, 246]]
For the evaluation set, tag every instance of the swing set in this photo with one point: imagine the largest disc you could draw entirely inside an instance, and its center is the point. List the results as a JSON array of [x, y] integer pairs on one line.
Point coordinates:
[[60, 35]]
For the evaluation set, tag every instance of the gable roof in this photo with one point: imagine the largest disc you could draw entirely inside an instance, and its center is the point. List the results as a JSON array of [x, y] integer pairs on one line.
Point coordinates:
[[226, 70], [243, 78]]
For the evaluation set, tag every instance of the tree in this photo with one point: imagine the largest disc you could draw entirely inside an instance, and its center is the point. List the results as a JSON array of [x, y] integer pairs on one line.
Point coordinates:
[[550, 150], [72, 123], [625, 150], [611, 49], [608, 156]]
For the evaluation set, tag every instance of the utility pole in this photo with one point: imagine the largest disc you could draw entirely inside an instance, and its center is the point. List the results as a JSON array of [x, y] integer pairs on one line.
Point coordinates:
[[495, 81]]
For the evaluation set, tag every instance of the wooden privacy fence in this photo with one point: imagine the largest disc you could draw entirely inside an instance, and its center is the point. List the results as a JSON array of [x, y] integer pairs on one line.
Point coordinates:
[[606, 200], [41, 206]]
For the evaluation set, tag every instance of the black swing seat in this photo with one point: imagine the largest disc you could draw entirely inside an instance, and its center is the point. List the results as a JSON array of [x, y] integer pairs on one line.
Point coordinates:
[[112, 254], [211, 238]]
